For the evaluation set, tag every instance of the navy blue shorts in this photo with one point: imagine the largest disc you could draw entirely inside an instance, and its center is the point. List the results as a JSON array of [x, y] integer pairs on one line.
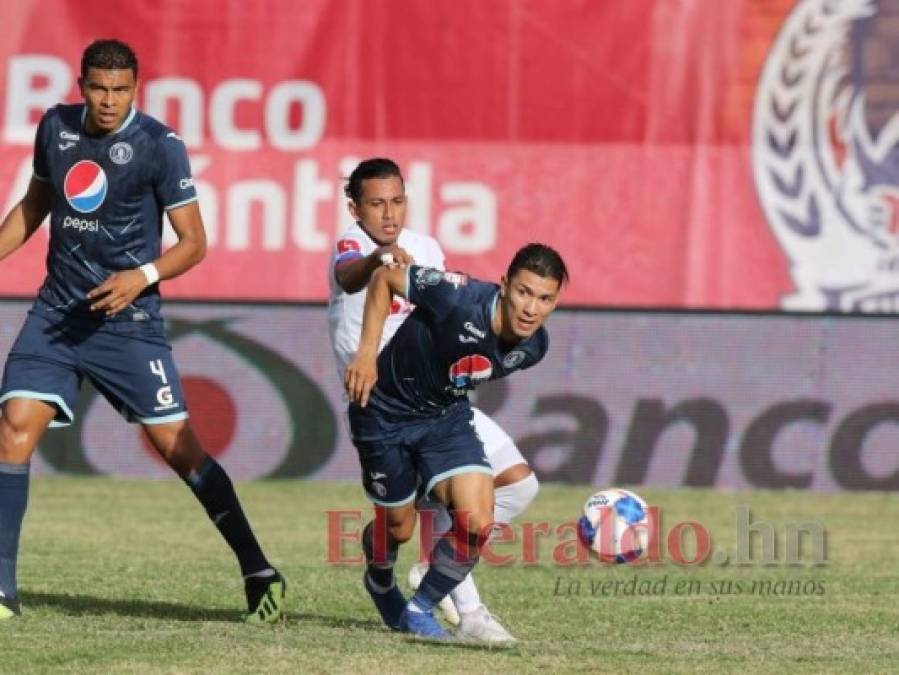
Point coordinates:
[[401, 458], [130, 365]]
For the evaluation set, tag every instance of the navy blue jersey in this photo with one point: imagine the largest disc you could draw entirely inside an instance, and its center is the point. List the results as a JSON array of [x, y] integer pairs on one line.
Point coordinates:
[[109, 195], [446, 347]]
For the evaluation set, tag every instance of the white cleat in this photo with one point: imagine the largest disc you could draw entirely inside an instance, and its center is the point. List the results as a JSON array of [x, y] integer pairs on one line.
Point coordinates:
[[481, 626], [446, 606]]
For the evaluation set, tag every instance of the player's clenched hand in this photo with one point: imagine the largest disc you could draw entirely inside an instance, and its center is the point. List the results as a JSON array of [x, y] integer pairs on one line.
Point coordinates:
[[118, 291], [395, 256], [360, 378]]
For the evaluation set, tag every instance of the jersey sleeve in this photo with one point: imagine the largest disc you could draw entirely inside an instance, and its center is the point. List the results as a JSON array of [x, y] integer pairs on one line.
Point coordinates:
[[174, 183], [436, 291], [347, 249], [541, 347], [40, 165]]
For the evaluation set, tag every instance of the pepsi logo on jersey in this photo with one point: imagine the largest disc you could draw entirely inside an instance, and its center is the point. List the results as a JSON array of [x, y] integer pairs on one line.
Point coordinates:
[[81, 224], [85, 186], [469, 371]]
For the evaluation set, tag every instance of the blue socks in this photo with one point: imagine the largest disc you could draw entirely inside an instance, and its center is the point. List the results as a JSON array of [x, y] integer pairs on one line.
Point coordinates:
[[447, 570], [380, 570], [215, 491], [13, 500]]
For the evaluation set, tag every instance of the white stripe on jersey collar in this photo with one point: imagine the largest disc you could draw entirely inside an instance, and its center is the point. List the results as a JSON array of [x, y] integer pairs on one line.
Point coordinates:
[[128, 120]]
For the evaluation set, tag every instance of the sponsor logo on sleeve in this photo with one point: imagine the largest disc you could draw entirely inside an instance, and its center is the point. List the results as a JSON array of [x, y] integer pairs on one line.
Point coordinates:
[[345, 245], [427, 276], [457, 279]]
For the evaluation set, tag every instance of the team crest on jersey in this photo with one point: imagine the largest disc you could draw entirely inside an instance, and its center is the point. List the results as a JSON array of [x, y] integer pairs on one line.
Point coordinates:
[[826, 164], [121, 152], [513, 359], [468, 372], [85, 186]]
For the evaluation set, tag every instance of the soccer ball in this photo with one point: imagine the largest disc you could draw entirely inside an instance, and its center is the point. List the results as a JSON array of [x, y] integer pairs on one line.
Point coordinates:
[[615, 525]]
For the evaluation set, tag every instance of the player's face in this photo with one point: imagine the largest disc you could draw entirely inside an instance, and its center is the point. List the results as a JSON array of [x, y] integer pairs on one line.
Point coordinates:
[[527, 300], [381, 210], [108, 95]]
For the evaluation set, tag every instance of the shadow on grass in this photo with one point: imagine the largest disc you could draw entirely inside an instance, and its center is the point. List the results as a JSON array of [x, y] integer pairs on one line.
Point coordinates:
[[82, 605], [452, 643], [88, 605], [375, 625], [335, 621]]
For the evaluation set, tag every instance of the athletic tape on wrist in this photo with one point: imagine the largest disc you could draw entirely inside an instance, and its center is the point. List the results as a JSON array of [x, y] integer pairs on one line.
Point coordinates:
[[150, 272]]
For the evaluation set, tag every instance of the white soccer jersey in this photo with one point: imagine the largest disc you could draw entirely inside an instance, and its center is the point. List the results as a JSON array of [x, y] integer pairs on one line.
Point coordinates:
[[345, 309]]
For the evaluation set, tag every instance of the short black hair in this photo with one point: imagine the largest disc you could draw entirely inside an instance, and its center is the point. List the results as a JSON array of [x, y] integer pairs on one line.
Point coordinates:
[[540, 259], [376, 167], [108, 55]]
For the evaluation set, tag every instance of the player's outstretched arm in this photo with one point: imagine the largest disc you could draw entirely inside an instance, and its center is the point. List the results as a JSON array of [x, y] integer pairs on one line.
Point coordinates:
[[25, 217], [352, 276], [362, 373], [121, 288]]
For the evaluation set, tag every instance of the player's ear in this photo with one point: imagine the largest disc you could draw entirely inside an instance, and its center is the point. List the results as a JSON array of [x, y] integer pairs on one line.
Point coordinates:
[[351, 207], [503, 285]]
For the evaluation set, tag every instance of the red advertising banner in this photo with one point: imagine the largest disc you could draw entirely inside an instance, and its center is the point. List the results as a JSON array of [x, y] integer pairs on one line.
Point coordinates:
[[733, 155]]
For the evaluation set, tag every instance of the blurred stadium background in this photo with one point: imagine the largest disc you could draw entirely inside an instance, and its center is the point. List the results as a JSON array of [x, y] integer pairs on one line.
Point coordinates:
[[718, 175]]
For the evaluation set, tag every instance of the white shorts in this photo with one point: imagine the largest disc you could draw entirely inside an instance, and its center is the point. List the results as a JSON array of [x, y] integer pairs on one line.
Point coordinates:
[[500, 448]]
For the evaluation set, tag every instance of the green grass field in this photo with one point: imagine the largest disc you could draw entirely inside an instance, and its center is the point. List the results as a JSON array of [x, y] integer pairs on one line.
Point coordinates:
[[124, 576]]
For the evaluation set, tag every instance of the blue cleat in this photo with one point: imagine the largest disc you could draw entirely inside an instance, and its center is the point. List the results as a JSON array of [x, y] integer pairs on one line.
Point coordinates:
[[422, 624], [390, 603]]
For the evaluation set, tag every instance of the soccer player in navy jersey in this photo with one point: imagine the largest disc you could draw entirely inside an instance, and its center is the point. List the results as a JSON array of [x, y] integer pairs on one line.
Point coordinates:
[[378, 237], [106, 173], [411, 420]]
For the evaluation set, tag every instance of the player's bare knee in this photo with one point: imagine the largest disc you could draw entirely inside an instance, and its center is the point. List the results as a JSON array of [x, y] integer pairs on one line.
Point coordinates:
[[474, 525], [513, 474], [16, 440], [177, 445], [401, 532]]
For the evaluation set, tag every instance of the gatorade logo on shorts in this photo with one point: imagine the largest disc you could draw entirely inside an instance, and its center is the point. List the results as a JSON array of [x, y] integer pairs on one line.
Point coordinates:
[[85, 186]]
